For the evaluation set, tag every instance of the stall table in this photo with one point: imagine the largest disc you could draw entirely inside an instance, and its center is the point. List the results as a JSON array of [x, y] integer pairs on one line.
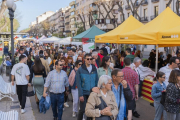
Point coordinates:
[[146, 89]]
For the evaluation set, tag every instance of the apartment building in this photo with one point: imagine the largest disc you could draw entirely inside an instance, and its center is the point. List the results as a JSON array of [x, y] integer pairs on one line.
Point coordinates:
[[147, 11], [86, 7], [72, 17], [44, 16], [67, 21]]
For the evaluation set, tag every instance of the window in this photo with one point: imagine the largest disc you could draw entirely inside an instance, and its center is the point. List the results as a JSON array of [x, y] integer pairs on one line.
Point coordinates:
[[77, 4], [128, 14], [96, 22], [72, 20], [145, 13], [108, 21], [156, 9], [72, 26], [121, 17], [102, 21]]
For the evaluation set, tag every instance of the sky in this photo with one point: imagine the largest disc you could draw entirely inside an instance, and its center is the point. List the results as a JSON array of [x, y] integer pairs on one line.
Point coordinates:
[[30, 9]]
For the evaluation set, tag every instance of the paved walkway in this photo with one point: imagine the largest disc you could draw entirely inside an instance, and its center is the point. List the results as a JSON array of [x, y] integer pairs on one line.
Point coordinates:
[[6, 105], [146, 111]]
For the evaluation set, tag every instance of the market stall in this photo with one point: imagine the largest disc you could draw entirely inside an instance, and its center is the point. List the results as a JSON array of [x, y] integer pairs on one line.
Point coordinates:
[[87, 38], [64, 41], [50, 40], [112, 36]]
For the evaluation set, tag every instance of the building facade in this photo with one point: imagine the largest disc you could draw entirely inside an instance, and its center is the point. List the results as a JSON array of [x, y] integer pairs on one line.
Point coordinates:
[[72, 17]]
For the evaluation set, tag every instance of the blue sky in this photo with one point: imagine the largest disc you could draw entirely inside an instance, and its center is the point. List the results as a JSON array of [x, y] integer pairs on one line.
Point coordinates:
[[29, 9]]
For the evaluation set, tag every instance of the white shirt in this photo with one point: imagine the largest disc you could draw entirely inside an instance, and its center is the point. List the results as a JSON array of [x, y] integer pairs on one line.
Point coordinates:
[[108, 49], [49, 60], [89, 68], [167, 72], [104, 94], [20, 71]]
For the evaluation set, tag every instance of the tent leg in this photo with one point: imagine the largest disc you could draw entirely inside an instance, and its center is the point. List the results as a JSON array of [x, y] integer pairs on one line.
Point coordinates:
[[157, 48], [117, 46]]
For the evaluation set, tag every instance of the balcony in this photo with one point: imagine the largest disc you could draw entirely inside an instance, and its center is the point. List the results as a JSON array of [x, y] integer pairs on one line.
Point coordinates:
[[153, 16], [71, 29], [61, 26], [67, 16], [72, 3], [67, 23], [72, 10], [154, 1], [72, 22], [144, 3], [144, 19], [127, 7]]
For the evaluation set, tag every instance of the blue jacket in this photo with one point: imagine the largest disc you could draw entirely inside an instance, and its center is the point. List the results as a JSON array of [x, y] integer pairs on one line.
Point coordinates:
[[156, 91], [85, 80], [44, 105], [8, 63]]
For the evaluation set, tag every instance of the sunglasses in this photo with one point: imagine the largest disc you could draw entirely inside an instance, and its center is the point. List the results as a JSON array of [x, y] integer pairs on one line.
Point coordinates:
[[80, 64], [89, 58], [61, 65]]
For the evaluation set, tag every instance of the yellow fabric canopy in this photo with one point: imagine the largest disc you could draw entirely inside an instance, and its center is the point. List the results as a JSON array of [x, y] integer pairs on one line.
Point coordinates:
[[111, 37], [164, 31]]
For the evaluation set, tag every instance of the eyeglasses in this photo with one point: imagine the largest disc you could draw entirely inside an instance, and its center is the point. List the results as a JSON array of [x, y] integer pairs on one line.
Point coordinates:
[[120, 76], [61, 65], [89, 58]]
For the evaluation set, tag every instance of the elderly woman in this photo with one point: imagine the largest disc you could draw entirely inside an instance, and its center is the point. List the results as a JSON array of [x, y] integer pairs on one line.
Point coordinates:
[[102, 105]]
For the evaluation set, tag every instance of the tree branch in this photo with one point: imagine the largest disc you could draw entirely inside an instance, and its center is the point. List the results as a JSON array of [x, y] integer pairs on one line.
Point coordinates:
[[5, 23]]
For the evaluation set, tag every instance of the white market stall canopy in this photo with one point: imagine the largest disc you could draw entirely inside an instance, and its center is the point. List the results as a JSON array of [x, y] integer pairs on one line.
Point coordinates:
[[41, 38], [50, 40], [64, 41], [23, 39]]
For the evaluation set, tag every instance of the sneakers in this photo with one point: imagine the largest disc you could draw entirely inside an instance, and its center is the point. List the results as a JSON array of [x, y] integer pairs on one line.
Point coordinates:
[[23, 111], [74, 114], [135, 114], [66, 104]]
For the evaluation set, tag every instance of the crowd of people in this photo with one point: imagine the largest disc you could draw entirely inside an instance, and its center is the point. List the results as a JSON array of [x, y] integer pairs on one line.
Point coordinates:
[[105, 83]]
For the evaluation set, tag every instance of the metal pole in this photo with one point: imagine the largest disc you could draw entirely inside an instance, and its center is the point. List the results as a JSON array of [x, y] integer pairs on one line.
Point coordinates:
[[156, 70], [11, 15]]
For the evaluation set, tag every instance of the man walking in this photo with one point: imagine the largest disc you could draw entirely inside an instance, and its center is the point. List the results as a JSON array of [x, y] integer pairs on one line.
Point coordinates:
[[21, 73], [87, 78], [129, 55], [57, 80], [132, 79]]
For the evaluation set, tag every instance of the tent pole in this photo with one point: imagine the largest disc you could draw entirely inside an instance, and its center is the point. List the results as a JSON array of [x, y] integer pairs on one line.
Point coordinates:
[[157, 48], [117, 46]]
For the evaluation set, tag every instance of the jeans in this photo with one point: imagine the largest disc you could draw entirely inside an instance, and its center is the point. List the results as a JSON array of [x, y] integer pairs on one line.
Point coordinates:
[[22, 93], [172, 116], [57, 102], [159, 108], [75, 99], [82, 108]]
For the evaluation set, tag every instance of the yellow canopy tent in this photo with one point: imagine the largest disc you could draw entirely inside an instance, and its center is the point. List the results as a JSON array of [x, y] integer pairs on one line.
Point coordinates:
[[111, 37], [159, 32]]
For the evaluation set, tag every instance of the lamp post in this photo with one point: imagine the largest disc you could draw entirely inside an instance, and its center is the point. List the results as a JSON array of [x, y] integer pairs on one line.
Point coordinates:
[[73, 32], [12, 7], [64, 33]]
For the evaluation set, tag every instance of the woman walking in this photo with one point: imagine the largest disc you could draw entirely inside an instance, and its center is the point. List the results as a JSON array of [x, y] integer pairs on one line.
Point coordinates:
[[74, 90], [105, 68], [172, 102], [38, 81], [156, 94]]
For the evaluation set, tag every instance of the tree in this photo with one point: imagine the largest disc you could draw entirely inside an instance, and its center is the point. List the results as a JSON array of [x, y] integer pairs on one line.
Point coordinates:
[[80, 28], [134, 6], [52, 28], [26, 30], [46, 26], [3, 8]]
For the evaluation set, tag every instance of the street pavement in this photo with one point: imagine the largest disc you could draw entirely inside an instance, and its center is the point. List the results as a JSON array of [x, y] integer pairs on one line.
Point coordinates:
[[146, 111]]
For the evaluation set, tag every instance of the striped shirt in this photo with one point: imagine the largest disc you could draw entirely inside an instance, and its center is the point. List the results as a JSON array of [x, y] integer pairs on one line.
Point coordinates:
[[57, 81]]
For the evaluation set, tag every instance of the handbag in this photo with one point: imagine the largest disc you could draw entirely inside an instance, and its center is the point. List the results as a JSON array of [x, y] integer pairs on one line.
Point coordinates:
[[101, 107], [163, 98]]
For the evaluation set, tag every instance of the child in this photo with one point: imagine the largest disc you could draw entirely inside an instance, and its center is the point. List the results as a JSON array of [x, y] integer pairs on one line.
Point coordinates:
[[8, 62], [156, 94]]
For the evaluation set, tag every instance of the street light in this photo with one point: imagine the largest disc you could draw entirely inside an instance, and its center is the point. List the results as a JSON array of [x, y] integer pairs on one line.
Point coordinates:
[[73, 32], [12, 7], [64, 33]]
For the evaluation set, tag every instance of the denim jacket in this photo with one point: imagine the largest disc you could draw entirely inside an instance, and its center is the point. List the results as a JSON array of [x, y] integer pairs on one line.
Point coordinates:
[[156, 91]]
